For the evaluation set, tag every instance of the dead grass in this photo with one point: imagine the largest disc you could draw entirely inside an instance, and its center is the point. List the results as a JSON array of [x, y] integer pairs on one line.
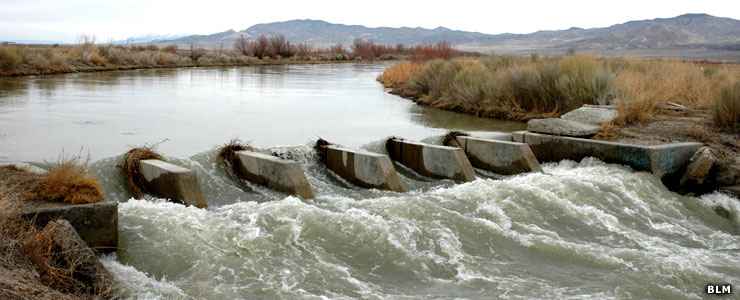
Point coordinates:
[[520, 88], [69, 181], [726, 109], [319, 148], [398, 74], [227, 155], [64, 263], [19, 276], [450, 139], [130, 167]]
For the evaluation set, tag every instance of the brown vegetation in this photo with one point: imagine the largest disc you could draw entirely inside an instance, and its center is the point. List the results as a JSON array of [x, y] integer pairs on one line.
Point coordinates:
[[521, 88], [20, 276], [87, 55], [227, 155], [726, 108], [130, 167], [68, 181]]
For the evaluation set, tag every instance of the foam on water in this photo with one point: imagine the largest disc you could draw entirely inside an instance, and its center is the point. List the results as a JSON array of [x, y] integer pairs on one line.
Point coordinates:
[[578, 230]]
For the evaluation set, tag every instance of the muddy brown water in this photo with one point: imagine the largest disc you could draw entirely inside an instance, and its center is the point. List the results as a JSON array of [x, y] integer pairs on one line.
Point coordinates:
[[195, 109], [579, 230]]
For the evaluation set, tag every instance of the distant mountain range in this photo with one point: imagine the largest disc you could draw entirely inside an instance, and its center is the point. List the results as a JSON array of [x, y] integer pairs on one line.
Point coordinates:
[[682, 32]]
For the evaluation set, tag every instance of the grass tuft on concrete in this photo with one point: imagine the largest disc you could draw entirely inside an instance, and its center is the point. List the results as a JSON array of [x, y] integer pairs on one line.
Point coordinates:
[[227, 155], [130, 167], [450, 139], [319, 148], [69, 181]]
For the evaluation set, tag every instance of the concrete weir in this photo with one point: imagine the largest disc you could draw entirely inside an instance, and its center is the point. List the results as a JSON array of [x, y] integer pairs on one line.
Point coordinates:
[[502, 157], [365, 169], [661, 160], [96, 223], [431, 160], [173, 182], [276, 173]]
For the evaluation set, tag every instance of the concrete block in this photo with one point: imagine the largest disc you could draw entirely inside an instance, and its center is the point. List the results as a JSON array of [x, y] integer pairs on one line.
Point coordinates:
[[280, 174], [661, 160], [594, 115], [562, 127], [96, 223], [494, 135], [364, 169], [431, 160], [502, 157], [172, 182]]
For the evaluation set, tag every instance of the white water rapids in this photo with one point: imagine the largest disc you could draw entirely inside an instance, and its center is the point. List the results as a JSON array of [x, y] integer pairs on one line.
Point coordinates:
[[585, 230]]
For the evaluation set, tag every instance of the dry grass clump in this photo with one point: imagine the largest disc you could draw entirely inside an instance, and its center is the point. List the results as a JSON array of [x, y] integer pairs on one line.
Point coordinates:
[[506, 87], [130, 167], [227, 155], [70, 182], [450, 139], [64, 261], [726, 109], [10, 57], [319, 148], [398, 74], [20, 277]]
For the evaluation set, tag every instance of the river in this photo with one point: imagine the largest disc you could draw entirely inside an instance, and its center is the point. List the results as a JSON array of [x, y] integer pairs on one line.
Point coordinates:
[[579, 230]]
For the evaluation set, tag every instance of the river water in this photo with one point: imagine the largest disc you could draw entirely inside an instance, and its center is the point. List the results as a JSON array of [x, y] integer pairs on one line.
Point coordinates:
[[580, 230]]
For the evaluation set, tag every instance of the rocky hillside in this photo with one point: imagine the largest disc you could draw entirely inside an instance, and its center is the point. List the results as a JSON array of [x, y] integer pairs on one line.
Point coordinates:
[[685, 31]]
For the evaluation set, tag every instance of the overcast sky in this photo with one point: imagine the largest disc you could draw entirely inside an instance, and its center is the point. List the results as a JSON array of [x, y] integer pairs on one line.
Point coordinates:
[[66, 20]]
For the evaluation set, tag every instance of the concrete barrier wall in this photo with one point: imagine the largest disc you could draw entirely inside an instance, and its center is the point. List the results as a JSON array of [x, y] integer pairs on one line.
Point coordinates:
[[502, 157], [282, 175], [172, 182], [96, 223], [431, 160], [364, 169], [661, 160]]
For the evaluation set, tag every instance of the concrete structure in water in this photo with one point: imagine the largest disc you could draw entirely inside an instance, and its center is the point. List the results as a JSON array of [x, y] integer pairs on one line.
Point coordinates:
[[502, 157], [431, 160], [667, 160], [173, 182], [283, 175], [364, 169], [96, 223]]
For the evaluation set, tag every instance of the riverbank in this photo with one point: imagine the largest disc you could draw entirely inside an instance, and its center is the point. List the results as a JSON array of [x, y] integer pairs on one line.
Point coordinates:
[[47, 260], [658, 101], [87, 56], [48, 60]]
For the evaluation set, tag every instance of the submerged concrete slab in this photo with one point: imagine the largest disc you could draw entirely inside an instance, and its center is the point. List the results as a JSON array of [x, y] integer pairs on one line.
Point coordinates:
[[172, 182], [502, 157], [365, 169], [661, 160], [280, 174], [431, 160], [96, 223]]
